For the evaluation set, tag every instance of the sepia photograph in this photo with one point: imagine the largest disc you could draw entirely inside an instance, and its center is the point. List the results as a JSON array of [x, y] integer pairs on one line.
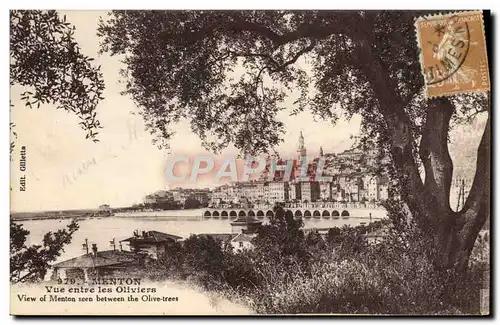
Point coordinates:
[[250, 162]]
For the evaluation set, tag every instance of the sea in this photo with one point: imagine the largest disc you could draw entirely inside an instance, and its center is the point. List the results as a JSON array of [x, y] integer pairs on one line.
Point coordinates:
[[103, 230]]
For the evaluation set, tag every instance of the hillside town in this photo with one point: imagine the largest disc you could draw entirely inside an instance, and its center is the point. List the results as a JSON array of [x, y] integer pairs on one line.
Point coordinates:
[[354, 178]]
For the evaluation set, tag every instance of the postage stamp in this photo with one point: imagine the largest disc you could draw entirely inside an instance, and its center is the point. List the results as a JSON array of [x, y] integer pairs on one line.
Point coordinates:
[[453, 54]]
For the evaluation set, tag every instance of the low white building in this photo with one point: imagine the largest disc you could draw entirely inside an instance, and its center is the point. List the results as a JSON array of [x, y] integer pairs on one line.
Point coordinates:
[[243, 241]]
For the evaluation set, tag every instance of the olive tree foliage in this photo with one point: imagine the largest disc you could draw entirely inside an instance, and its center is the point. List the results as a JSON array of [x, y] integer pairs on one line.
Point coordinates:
[[29, 264], [228, 73], [47, 62]]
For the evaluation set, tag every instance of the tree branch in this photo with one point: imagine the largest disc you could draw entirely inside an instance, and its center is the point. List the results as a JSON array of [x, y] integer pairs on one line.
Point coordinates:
[[476, 210], [480, 190], [399, 126], [27, 276], [297, 55], [316, 29], [435, 156], [240, 25], [250, 54]]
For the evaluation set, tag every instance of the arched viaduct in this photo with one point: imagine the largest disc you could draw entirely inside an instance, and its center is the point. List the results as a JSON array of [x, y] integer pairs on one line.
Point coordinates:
[[306, 213]]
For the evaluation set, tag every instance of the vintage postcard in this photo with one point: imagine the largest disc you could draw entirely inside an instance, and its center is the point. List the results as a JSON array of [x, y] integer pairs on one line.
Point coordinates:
[[249, 163]]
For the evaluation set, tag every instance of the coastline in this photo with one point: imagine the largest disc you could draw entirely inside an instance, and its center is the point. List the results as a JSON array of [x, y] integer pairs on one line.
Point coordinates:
[[182, 214]]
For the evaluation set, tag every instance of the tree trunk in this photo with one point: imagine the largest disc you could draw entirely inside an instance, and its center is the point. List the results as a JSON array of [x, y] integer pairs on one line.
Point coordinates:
[[451, 235], [477, 207]]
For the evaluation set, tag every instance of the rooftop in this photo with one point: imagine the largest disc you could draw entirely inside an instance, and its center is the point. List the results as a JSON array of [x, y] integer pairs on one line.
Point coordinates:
[[103, 258], [152, 236], [242, 237]]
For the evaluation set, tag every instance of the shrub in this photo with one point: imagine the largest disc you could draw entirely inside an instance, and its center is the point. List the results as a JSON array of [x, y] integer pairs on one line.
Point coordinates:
[[370, 286], [290, 272]]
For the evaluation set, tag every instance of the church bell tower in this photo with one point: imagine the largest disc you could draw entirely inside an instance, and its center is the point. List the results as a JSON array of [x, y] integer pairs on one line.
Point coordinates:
[[301, 149]]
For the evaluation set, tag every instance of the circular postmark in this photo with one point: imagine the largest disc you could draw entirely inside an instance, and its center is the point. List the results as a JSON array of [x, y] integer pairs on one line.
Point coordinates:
[[450, 45]]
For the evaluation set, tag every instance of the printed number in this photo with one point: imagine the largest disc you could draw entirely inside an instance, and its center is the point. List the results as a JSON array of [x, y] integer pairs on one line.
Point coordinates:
[[66, 281]]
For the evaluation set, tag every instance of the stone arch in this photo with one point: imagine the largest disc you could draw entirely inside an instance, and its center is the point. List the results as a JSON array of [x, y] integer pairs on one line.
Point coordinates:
[[251, 213], [215, 214], [345, 213], [242, 214], [233, 214], [298, 213], [316, 214], [260, 213], [207, 214], [224, 213], [288, 213], [307, 214], [325, 213], [269, 213], [335, 213]]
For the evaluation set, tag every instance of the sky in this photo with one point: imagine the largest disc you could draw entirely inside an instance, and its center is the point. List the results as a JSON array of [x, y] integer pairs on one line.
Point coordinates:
[[66, 171]]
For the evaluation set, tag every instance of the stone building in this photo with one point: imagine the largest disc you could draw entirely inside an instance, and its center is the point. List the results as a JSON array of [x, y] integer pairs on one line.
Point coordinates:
[[151, 242], [97, 264]]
